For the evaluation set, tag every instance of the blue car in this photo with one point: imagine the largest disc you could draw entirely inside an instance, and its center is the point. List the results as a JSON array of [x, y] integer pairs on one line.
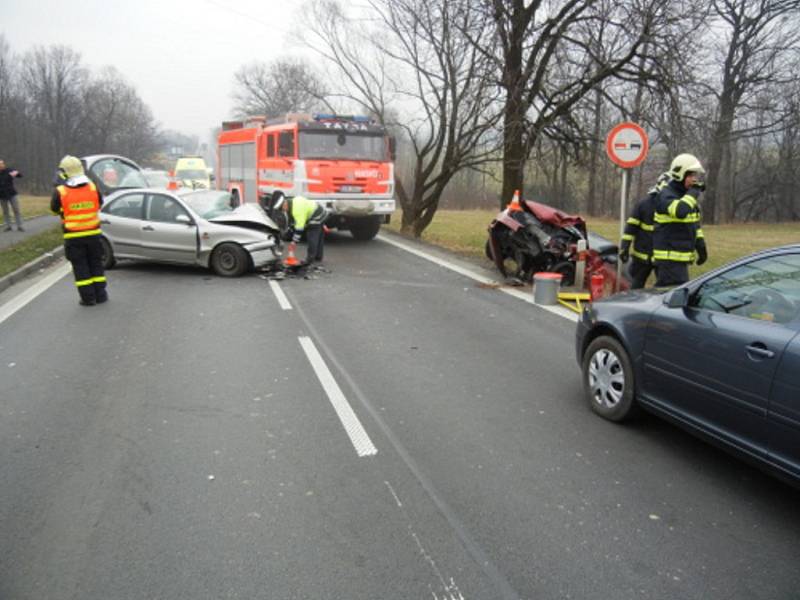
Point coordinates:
[[719, 356]]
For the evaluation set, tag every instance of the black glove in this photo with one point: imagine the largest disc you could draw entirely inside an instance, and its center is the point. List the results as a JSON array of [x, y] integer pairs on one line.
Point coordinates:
[[700, 185], [702, 253], [624, 251]]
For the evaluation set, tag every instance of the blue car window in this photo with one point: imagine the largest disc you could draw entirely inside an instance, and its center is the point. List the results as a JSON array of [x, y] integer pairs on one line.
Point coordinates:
[[767, 289]]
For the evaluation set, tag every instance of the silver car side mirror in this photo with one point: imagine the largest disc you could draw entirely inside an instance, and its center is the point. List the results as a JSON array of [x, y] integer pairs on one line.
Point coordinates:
[[183, 219]]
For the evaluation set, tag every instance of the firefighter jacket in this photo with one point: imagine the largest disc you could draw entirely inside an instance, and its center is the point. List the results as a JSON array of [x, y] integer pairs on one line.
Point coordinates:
[[639, 227], [677, 224], [305, 212], [78, 204]]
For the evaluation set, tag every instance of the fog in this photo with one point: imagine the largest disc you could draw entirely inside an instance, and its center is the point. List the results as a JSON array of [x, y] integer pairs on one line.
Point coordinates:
[[180, 55]]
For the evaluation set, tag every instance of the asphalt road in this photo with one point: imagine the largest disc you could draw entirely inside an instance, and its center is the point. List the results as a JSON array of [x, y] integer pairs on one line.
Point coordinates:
[[399, 432]]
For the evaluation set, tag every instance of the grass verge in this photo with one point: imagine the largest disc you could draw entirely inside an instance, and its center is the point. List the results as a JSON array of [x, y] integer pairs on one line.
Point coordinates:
[[465, 232], [31, 206], [16, 256]]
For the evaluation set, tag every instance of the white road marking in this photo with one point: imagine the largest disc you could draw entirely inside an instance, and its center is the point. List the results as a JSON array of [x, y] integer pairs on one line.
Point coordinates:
[[353, 427], [18, 302], [526, 296], [282, 299]]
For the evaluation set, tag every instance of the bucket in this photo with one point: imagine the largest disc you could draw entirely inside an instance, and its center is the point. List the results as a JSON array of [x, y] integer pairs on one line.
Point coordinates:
[[545, 288]]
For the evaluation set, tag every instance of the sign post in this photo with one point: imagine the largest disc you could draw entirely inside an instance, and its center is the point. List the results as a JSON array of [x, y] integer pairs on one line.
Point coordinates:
[[626, 146]]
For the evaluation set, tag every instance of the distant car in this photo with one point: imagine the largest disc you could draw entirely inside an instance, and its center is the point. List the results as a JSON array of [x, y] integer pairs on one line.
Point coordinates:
[[156, 179], [719, 356], [188, 227]]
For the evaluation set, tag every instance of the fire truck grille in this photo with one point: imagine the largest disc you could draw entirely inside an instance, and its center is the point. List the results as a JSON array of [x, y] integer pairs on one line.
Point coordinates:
[[355, 185]]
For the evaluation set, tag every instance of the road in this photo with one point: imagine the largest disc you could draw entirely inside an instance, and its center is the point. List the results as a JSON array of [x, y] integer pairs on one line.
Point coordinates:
[[392, 429]]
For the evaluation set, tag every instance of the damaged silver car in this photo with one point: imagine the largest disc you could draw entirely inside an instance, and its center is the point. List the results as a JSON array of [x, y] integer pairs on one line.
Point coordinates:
[[188, 227]]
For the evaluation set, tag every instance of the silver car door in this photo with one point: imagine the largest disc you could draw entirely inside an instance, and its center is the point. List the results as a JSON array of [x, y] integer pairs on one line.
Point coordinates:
[[169, 231], [121, 223]]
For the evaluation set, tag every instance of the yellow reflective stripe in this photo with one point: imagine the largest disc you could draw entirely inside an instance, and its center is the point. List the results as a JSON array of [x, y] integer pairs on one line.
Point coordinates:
[[646, 227], [699, 233], [86, 217], [627, 236], [82, 226], [77, 234], [662, 219], [673, 255], [98, 279], [632, 221], [640, 255], [84, 282]]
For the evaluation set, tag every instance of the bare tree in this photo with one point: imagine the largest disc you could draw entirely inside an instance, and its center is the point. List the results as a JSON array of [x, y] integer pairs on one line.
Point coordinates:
[[546, 64], [280, 87], [760, 49], [411, 59]]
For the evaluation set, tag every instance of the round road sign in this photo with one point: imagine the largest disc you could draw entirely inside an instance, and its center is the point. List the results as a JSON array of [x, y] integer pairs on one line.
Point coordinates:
[[627, 145]]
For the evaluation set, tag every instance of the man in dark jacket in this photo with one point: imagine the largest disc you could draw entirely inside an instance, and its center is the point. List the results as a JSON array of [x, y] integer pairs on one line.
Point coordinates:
[[8, 195], [678, 238], [78, 202], [637, 240]]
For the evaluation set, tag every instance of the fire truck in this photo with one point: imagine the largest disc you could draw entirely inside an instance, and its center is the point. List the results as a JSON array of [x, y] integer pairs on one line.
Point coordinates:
[[341, 162]]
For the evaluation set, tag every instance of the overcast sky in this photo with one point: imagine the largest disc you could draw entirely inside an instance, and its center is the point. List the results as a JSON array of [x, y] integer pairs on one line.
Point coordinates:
[[179, 54]]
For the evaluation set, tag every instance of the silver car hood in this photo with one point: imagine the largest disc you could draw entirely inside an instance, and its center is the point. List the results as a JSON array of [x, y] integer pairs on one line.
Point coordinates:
[[245, 216]]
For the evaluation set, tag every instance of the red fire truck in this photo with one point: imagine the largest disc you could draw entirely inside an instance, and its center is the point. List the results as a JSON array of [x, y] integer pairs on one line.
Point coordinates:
[[344, 163]]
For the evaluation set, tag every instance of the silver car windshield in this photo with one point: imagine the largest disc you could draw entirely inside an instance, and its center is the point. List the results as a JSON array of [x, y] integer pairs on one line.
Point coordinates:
[[209, 204]]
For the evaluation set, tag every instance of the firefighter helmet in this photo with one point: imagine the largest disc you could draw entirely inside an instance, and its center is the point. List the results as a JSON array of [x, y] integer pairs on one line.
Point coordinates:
[[683, 164], [70, 166], [661, 182], [278, 200]]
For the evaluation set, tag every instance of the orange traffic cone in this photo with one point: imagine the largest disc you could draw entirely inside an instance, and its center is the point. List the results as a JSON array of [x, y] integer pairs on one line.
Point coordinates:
[[514, 204], [291, 259]]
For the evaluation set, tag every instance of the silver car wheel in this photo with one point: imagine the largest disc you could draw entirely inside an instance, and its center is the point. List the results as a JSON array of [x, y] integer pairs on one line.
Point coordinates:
[[606, 378]]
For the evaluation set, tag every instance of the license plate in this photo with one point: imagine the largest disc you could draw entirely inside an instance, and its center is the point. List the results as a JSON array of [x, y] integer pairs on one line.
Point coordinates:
[[350, 189]]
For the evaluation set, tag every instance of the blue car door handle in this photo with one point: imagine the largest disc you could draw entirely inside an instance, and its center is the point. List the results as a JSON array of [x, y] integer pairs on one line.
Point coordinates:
[[757, 351]]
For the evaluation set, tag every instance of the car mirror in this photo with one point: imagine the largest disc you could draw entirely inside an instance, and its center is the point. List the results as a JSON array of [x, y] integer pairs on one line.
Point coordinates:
[[183, 219], [678, 298]]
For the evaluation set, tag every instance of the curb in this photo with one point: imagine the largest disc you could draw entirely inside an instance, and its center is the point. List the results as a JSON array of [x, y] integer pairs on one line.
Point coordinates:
[[33, 266]]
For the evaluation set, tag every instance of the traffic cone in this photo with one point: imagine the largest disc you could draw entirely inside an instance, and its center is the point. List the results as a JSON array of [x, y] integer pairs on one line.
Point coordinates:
[[514, 204], [291, 259]]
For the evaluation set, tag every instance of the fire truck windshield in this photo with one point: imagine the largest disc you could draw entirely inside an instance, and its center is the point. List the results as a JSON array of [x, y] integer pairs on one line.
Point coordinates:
[[341, 145]]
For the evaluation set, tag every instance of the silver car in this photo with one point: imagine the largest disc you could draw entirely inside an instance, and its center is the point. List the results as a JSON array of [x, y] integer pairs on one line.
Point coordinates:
[[188, 227]]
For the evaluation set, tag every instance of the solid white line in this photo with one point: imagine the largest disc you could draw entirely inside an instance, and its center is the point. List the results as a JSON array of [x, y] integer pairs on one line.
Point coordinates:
[[353, 427], [12, 306], [526, 295], [282, 299]]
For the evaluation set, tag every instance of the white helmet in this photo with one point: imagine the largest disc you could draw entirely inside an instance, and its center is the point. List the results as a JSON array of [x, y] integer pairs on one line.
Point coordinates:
[[683, 164]]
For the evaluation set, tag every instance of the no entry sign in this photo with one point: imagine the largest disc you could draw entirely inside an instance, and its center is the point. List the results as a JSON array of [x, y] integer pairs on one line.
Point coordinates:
[[627, 145]]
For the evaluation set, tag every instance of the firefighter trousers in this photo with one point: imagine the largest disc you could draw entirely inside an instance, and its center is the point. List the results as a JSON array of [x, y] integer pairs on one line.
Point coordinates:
[[315, 237], [639, 271], [86, 256], [671, 272]]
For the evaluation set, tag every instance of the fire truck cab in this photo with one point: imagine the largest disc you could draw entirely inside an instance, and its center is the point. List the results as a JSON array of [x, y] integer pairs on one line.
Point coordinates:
[[342, 162]]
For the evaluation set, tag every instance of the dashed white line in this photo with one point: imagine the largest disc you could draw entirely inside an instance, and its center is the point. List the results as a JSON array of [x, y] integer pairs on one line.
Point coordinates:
[[358, 435], [526, 296], [9, 308], [282, 299]]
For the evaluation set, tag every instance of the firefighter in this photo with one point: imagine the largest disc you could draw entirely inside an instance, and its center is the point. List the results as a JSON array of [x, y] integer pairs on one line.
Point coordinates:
[[678, 238], [637, 240], [78, 201], [307, 216]]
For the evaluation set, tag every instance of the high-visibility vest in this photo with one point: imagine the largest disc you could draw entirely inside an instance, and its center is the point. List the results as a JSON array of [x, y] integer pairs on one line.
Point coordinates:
[[80, 206]]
